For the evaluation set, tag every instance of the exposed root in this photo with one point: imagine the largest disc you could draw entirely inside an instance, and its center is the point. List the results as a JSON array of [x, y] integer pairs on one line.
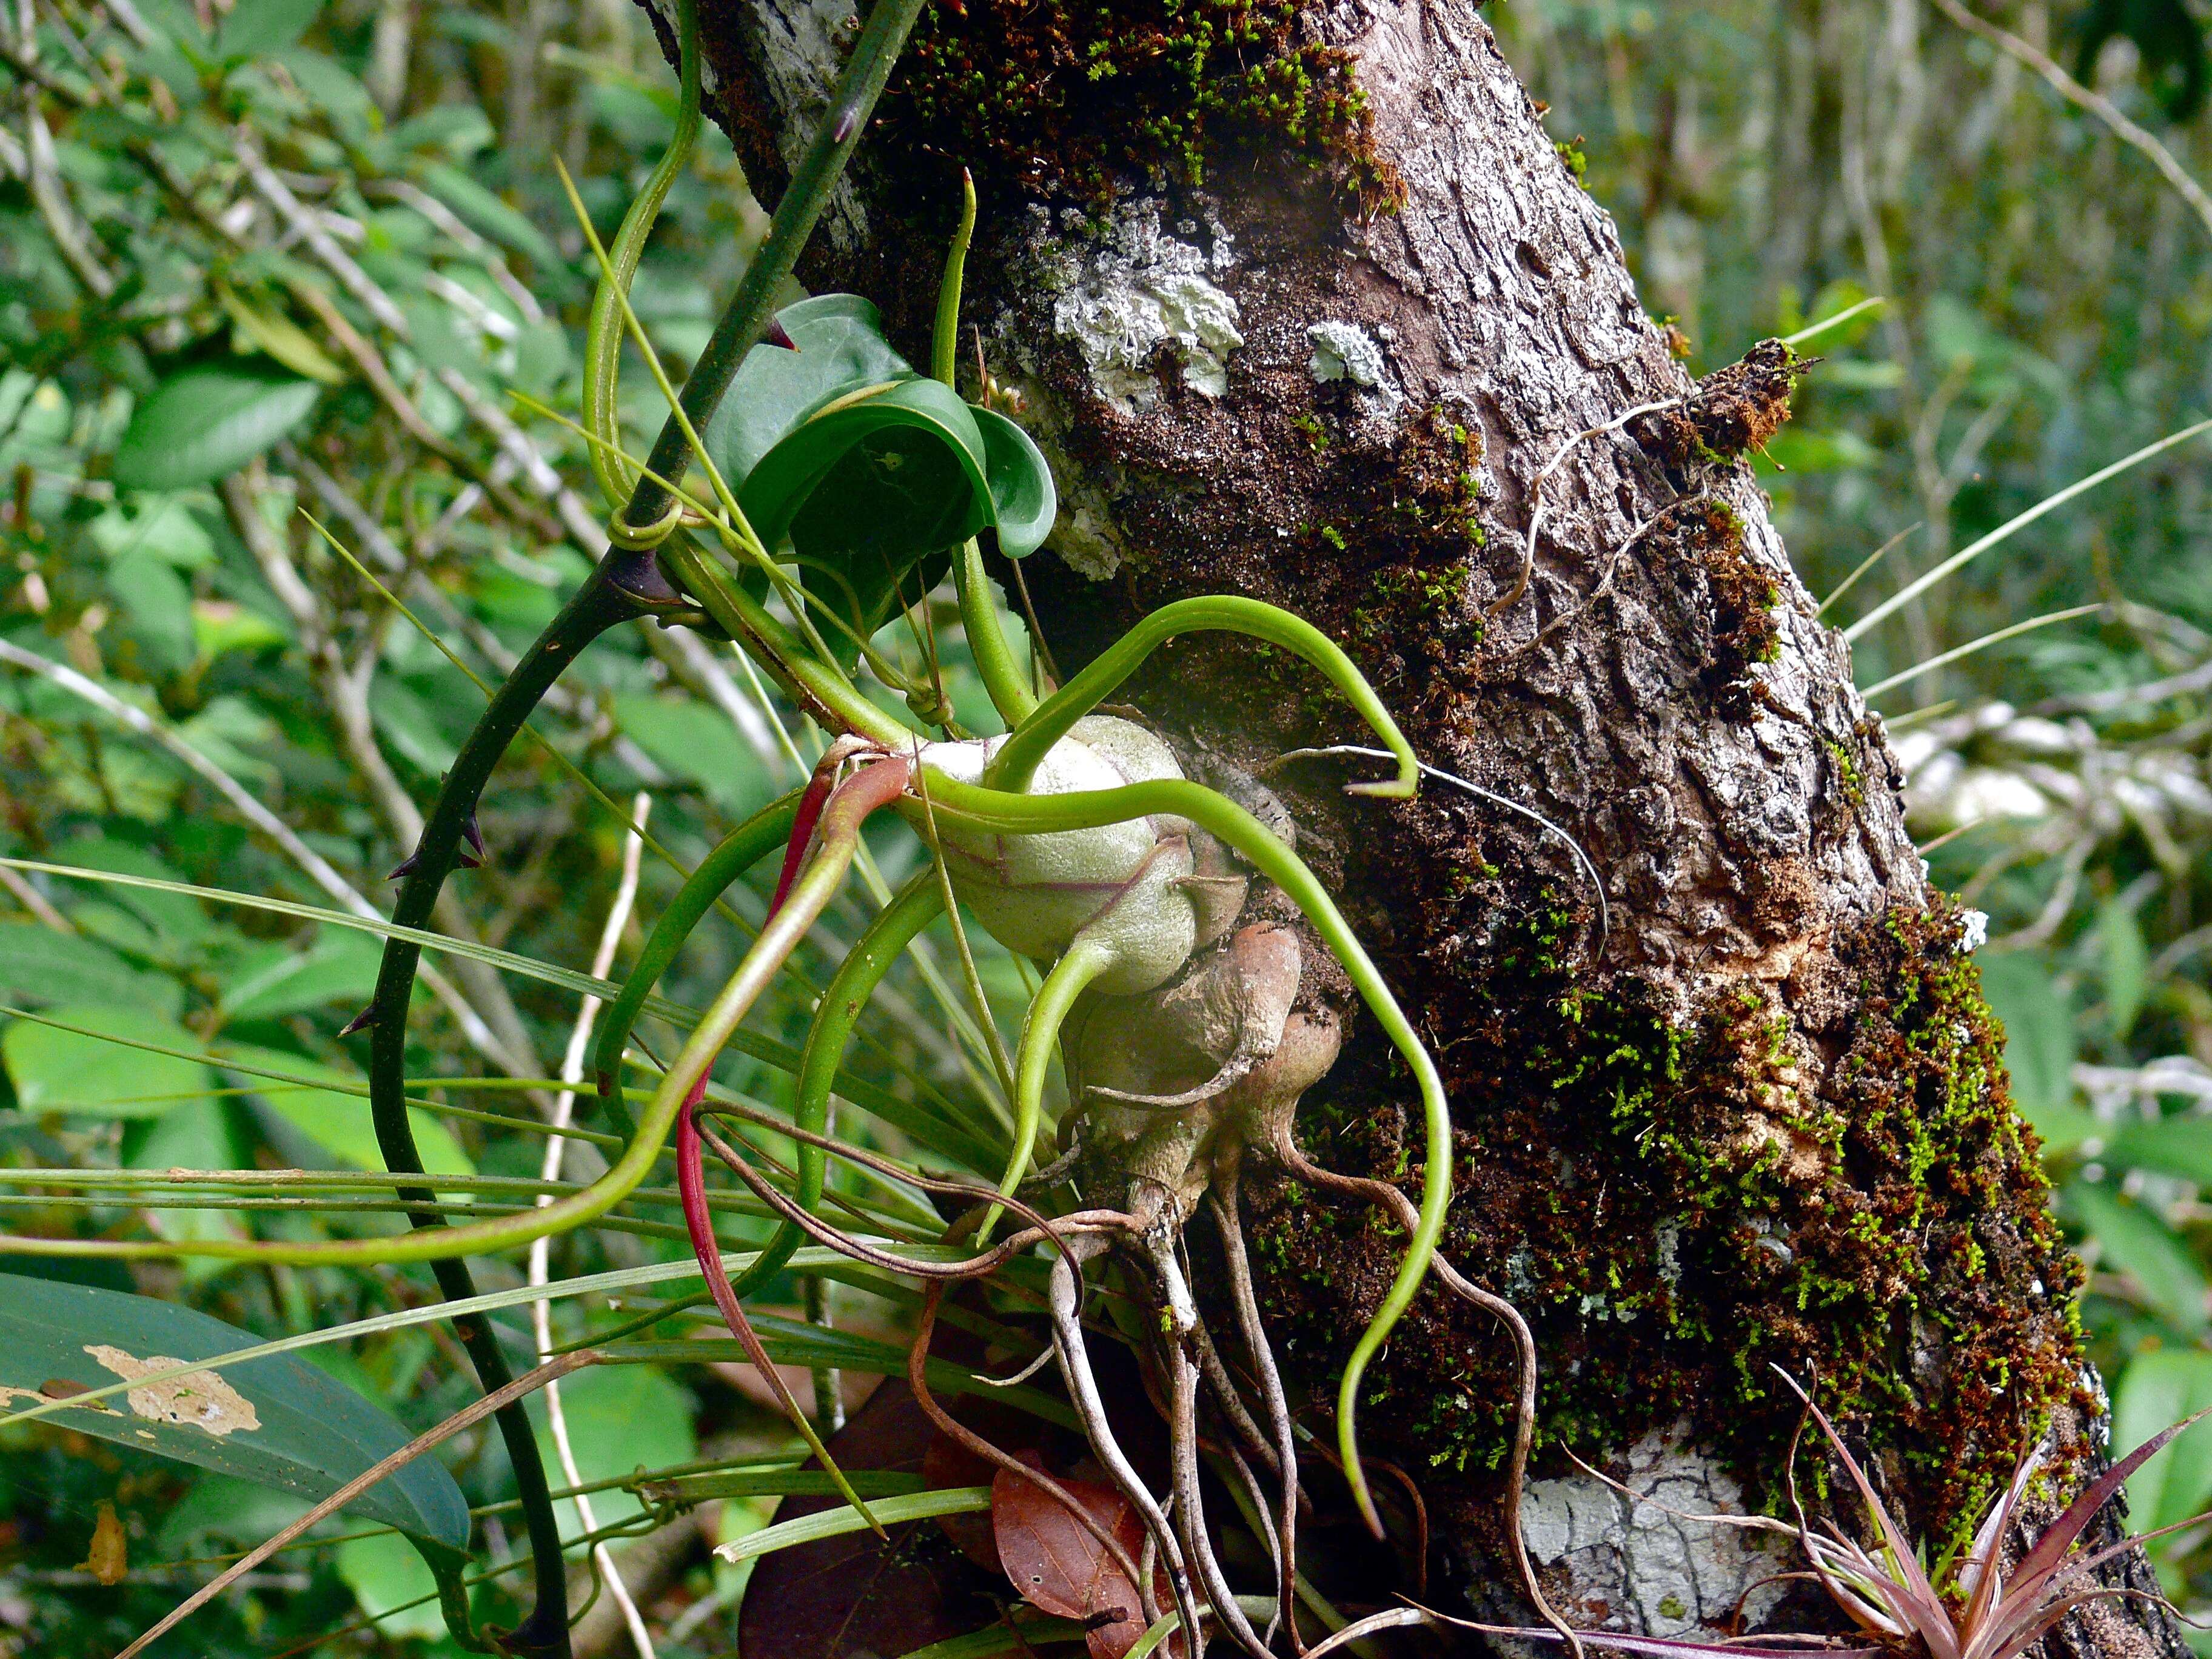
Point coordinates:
[[1225, 1198], [1285, 1150], [1083, 1390]]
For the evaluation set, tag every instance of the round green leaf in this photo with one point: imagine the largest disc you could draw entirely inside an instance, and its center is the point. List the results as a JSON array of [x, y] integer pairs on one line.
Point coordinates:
[[865, 471], [841, 347], [205, 421], [278, 1421]]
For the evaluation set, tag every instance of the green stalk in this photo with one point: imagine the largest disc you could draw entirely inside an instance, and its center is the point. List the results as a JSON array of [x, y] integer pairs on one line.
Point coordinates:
[[746, 318], [819, 689], [863, 969], [1003, 675], [603, 337], [944, 344], [1003, 678], [737, 852], [1082, 962], [993, 810], [1017, 762]]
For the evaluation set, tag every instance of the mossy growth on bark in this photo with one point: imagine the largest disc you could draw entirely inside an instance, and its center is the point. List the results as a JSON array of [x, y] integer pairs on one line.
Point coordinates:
[[1826, 1176], [1734, 411], [1061, 97]]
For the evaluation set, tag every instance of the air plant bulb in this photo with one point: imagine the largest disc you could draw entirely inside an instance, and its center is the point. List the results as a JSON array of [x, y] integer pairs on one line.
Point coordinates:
[[1123, 885]]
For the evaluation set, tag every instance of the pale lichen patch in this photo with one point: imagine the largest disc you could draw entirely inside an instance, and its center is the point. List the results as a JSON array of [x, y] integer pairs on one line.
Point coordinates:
[[196, 1400], [1345, 352], [1126, 289], [1674, 1575]]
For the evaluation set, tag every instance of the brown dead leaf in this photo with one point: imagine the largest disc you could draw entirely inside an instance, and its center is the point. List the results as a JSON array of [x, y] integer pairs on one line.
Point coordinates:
[[1058, 1565], [108, 1560]]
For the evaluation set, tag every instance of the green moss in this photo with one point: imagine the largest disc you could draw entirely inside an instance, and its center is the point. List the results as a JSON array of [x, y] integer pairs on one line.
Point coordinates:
[[1847, 768], [1678, 1203], [1577, 163], [1060, 95]]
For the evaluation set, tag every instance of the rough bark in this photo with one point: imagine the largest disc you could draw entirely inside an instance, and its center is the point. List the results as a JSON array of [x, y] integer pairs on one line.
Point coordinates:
[[1765, 1121]]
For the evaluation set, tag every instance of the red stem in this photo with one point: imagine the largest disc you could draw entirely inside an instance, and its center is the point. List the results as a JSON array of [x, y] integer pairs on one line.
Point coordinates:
[[872, 788]]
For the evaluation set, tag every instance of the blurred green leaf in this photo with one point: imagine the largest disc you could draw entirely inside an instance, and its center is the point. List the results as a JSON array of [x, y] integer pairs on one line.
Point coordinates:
[[2178, 1146], [621, 1419], [261, 329], [256, 28], [59, 1071], [41, 968], [2039, 1047], [697, 743], [335, 1121], [2126, 961], [485, 210], [190, 1134], [385, 1573], [2134, 1240], [340, 966], [155, 605], [2158, 1389], [220, 626], [205, 421], [165, 529], [278, 1421]]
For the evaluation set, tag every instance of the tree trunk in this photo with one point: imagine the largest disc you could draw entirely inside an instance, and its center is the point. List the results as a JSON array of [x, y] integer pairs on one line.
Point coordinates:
[[1756, 1115]]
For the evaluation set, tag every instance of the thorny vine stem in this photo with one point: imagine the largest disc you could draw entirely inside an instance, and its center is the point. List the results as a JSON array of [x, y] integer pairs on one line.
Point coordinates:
[[624, 585]]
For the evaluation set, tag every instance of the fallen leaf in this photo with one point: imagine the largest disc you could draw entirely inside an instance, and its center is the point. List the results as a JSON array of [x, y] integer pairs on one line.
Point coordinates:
[[858, 1593], [1058, 1564]]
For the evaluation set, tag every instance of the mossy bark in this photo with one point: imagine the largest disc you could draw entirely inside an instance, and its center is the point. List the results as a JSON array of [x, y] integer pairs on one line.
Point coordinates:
[[1305, 320]]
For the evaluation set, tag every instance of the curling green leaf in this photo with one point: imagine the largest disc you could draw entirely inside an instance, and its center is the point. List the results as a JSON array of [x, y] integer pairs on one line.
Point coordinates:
[[867, 472]]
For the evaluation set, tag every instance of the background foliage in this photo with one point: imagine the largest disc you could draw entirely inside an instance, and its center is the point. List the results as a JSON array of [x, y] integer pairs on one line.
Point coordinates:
[[287, 255]]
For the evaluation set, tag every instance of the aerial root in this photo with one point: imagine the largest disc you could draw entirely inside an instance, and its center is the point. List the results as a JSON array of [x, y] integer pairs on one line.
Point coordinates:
[[1224, 1196], [976, 1266], [1083, 1391], [1285, 1149]]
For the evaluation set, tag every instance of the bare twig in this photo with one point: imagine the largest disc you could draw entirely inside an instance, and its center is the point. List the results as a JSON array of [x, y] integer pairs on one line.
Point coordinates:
[[541, 1252], [2095, 102]]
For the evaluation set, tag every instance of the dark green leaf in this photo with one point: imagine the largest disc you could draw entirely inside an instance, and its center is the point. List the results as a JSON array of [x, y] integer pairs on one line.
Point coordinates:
[[206, 422], [275, 1421], [867, 472]]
